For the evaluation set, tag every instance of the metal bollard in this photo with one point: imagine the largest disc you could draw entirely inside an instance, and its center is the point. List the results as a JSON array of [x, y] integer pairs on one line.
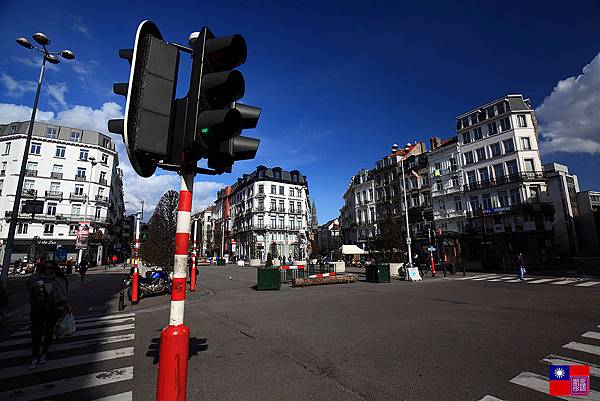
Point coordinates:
[[121, 300], [444, 267], [464, 270]]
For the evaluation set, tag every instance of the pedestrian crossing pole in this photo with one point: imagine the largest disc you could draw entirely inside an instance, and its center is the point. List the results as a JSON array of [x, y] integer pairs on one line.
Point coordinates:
[[174, 339], [194, 256], [135, 279]]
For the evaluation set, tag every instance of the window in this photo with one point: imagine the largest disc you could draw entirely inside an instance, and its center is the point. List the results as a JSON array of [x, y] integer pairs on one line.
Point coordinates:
[[104, 158], [7, 148], [529, 167], [498, 170], [281, 190], [469, 157], [495, 149], [458, 203], [103, 177], [55, 187], [299, 207], [28, 185], [425, 178], [477, 133], [1, 185], [466, 137], [298, 192], [98, 213], [515, 196], [76, 210], [437, 166], [490, 112], [471, 177], [292, 224], [414, 182], [36, 148], [426, 198], [48, 229], [465, 121], [500, 107], [505, 123], [81, 172], [273, 204], [22, 228], [60, 151], [261, 189], [106, 142], [291, 191], [32, 167], [511, 167], [51, 132], [503, 199], [13, 129], [281, 206], [455, 182], [480, 154], [522, 119], [534, 193], [492, 128], [484, 174], [415, 200], [274, 189], [292, 209], [83, 154], [100, 191], [525, 143], [474, 203], [509, 145], [79, 190], [281, 224], [73, 229], [486, 200], [75, 136], [3, 171], [51, 211], [439, 185]]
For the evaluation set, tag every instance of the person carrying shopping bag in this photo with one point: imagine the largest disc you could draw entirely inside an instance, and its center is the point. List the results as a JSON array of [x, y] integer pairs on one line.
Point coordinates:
[[48, 296]]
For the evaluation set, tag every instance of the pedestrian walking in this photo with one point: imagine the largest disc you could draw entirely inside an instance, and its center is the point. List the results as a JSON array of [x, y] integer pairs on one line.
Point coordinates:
[[520, 262], [114, 260], [70, 263], [48, 296], [83, 266]]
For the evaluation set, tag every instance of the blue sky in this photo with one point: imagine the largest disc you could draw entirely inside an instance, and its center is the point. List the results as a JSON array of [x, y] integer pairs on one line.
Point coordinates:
[[338, 82]]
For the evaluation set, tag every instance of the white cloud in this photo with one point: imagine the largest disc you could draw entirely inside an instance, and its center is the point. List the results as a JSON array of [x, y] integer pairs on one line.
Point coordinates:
[[79, 26], [16, 88], [89, 118], [84, 69], [34, 61], [57, 93], [570, 115], [13, 112]]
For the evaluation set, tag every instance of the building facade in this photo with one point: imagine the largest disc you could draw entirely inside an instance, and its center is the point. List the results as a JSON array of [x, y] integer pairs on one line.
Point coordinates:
[[265, 211], [505, 192], [562, 189], [358, 218], [329, 238], [588, 222], [205, 233], [73, 174]]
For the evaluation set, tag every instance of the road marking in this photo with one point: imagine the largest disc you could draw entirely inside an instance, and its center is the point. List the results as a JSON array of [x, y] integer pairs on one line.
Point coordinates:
[[540, 383], [590, 349], [563, 360], [544, 280], [81, 325], [100, 330], [50, 389], [502, 279], [21, 370], [89, 318], [490, 398], [588, 284], [486, 278], [518, 279], [592, 334], [128, 396], [472, 277], [563, 282], [70, 345]]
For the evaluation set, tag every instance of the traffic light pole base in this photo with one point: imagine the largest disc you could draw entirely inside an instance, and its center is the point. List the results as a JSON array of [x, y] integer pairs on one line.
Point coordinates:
[[173, 363]]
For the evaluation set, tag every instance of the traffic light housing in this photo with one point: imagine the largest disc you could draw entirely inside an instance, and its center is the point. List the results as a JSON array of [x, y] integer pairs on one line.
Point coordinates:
[[147, 126], [144, 232]]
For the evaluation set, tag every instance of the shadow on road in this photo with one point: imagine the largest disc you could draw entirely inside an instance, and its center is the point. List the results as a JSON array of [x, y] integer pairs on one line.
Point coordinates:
[[196, 345]]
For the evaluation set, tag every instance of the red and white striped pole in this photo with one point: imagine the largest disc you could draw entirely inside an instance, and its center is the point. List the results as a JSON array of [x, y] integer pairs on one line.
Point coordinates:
[[174, 339], [135, 280], [194, 256]]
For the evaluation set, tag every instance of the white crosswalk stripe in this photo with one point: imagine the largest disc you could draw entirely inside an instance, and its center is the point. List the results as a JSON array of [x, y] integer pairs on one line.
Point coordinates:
[[543, 280], [540, 383], [490, 398], [588, 284], [577, 346], [563, 282], [591, 334], [496, 278], [75, 354], [474, 277], [563, 360]]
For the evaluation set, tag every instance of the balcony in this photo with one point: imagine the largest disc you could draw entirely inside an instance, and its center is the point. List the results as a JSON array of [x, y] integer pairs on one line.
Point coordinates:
[[260, 208], [80, 178], [56, 175], [260, 195], [101, 199], [281, 209], [506, 179], [546, 207], [102, 181], [31, 173], [29, 193], [54, 195], [77, 197]]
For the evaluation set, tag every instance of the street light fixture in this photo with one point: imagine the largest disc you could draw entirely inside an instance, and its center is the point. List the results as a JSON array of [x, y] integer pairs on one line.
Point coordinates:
[[49, 56]]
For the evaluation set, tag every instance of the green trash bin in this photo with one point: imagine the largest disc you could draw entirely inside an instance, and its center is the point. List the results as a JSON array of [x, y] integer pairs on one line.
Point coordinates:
[[221, 262], [378, 273], [267, 279]]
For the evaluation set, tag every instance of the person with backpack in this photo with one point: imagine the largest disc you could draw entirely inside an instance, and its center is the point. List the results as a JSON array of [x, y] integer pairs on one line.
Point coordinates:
[[48, 296]]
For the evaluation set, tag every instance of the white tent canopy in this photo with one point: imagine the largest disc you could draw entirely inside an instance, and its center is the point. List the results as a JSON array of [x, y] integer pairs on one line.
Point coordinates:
[[352, 250]]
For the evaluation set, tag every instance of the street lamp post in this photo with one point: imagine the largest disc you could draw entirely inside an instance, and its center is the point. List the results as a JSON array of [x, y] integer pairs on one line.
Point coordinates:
[[49, 56]]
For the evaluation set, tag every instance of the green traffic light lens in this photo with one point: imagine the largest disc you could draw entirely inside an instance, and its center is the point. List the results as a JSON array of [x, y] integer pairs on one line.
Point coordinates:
[[204, 130]]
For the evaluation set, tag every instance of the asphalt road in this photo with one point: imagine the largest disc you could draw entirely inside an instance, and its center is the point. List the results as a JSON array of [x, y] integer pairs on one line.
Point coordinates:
[[442, 339]]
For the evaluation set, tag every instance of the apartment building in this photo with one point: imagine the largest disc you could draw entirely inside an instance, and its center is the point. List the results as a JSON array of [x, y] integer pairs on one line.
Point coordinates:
[[505, 191], [358, 219], [329, 238], [205, 234], [563, 188], [265, 211], [73, 175], [588, 222]]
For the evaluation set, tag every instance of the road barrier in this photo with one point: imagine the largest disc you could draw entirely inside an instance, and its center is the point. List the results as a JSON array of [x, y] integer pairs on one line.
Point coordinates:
[[320, 269], [288, 273]]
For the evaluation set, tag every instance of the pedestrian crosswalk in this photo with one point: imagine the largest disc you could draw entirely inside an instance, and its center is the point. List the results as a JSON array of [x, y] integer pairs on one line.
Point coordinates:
[[96, 363], [586, 353], [497, 278]]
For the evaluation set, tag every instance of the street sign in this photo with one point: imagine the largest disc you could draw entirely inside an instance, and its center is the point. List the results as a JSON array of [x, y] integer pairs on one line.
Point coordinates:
[[431, 249]]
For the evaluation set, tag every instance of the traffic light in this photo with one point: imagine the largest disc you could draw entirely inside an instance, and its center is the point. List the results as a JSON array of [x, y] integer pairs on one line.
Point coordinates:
[[213, 120], [147, 128], [144, 232]]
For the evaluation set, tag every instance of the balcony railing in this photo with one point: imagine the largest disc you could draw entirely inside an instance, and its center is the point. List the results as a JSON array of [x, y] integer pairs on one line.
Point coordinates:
[[102, 181], [56, 175], [547, 207], [100, 198], [505, 179], [54, 194], [80, 178], [77, 197], [260, 208], [29, 193], [31, 173]]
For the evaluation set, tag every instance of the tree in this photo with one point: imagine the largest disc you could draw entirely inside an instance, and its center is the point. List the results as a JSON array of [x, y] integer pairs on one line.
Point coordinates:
[[390, 242], [159, 250], [269, 262]]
